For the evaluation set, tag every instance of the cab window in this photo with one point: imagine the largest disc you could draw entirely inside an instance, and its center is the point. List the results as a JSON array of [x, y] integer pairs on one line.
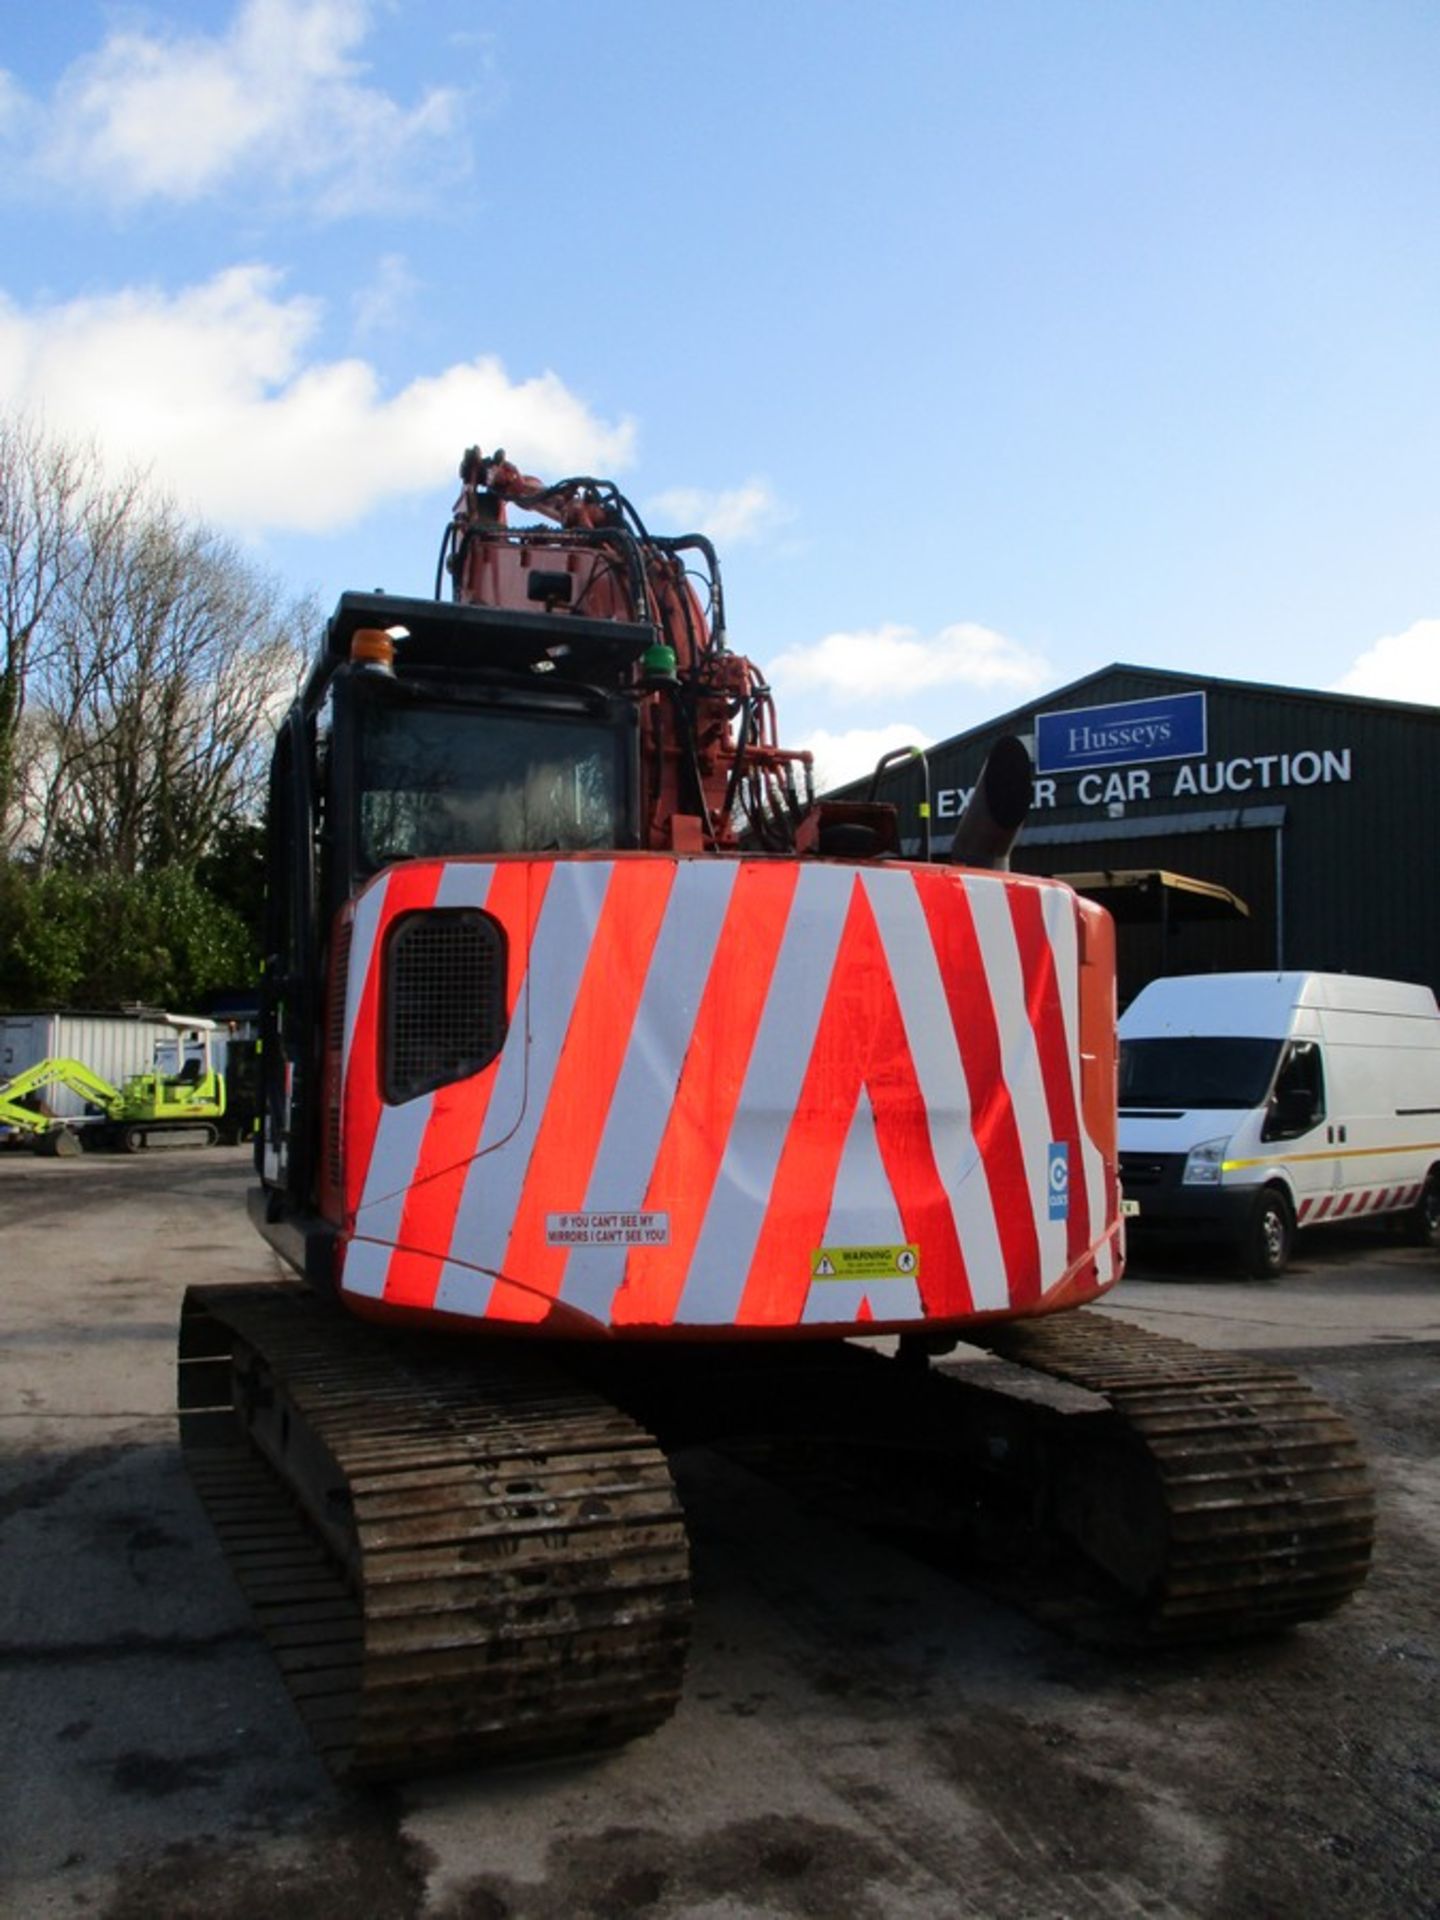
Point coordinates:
[[437, 782], [1297, 1102]]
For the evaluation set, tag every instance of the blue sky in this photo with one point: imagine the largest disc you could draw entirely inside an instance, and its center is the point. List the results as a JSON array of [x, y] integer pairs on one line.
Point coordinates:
[[991, 342]]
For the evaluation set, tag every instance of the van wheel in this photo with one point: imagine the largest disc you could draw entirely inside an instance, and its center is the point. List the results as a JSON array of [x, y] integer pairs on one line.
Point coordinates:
[[1265, 1251], [1422, 1223]]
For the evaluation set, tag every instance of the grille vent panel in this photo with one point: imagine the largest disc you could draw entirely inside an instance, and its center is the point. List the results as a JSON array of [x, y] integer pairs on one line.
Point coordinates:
[[339, 979], [444, 999], [334, 1046]]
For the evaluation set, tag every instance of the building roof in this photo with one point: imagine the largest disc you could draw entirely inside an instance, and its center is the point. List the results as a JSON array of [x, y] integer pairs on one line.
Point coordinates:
[[1058, 696]]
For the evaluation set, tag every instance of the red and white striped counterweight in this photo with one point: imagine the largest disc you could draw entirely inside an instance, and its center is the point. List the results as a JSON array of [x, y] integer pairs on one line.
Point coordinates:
[[721, 1095]]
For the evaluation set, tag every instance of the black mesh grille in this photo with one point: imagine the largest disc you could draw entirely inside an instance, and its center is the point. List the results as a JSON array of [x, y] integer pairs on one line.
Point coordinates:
[[444, 999], [1150, 1170], [339, 968], [334, 1042]]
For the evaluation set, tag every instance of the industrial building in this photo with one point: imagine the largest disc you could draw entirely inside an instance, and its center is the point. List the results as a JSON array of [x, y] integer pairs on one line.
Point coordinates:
[[1228, 825]]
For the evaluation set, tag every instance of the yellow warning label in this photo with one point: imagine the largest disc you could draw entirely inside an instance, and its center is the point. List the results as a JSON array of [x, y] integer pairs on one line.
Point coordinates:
[[865, 1263]]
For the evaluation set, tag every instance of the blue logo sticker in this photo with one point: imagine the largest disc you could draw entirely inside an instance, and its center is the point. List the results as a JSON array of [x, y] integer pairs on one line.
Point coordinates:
[[1059, 1180]]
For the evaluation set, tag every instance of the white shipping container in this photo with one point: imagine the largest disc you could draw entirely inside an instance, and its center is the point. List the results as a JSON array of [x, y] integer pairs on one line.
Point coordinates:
[[113, 1045]]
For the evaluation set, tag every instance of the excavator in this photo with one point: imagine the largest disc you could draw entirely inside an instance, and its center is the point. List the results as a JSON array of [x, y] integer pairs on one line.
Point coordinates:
[[621, 1095], [186, 1104]]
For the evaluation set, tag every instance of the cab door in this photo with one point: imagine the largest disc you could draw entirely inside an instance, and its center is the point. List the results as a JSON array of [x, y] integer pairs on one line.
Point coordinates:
[[1297, 1127]]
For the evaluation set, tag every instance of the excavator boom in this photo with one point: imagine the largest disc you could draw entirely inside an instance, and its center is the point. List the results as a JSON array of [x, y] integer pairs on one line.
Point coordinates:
[[16, 1093]]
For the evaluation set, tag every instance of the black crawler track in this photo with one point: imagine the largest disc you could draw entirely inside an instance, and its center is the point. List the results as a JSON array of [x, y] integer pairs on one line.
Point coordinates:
[[1264, 1515], [452, 1563], [474, 1555], [1122, 1485]]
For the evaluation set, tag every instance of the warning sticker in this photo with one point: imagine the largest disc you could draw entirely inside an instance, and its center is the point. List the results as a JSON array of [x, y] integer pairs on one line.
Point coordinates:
[[865, 1263], [607, 1229]]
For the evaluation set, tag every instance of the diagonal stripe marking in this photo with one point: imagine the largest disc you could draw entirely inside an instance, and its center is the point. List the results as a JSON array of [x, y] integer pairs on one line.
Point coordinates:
[[579, 1099], [700, 923], [459, 1112], [404, 889], [860, 1044], [946, 900], [708, 1092], [1047, 1020]]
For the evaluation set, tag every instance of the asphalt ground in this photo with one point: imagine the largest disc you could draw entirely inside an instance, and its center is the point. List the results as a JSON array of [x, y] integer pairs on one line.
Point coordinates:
[[861, 1733]]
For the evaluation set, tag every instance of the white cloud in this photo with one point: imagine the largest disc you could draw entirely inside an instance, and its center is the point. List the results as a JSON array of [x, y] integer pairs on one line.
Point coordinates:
[[893, 660], [1400, 666], [726, 518], [842, 757], [16, 109], [215, 389], [276, 100], [386, 298]]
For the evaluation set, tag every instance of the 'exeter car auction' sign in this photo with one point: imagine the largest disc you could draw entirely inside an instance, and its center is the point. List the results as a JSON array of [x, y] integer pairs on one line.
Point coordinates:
[[1118, 788], [1168, 727]]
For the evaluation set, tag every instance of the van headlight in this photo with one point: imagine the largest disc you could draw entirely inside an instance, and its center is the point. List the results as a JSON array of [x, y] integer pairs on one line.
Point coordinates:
[[1202, 1163]]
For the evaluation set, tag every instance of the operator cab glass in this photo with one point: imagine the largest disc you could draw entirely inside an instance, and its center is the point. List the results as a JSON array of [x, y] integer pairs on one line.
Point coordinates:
[[434, 782]]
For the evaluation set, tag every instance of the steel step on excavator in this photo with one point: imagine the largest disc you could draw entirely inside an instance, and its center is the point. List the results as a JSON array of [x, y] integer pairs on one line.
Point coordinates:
[[619, 1095]]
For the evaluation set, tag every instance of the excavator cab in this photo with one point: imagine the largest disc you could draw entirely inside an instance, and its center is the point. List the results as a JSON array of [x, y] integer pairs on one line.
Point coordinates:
[[426, 732], [183, 1062], [469, 741], [489, 774]]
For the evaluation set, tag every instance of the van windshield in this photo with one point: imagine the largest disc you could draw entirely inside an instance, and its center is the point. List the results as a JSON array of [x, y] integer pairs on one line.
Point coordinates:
[[1196, 1071]]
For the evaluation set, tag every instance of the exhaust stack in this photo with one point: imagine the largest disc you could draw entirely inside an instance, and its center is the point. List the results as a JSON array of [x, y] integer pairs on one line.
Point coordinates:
[[996, 809]]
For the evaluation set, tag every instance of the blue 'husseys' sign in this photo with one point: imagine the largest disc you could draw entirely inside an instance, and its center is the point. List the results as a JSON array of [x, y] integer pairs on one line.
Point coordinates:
[[1169, 727]]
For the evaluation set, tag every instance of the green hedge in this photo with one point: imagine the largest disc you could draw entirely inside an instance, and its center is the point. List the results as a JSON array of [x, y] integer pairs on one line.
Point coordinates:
[[72, 939]]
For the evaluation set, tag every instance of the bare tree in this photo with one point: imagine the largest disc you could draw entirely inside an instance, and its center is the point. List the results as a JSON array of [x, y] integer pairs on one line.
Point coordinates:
[[41, 510], [143, 664], [59, 518], [167, 675]]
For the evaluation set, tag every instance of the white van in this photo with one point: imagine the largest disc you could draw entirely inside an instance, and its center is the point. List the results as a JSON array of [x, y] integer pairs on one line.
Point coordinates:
[[1255, 1103]]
